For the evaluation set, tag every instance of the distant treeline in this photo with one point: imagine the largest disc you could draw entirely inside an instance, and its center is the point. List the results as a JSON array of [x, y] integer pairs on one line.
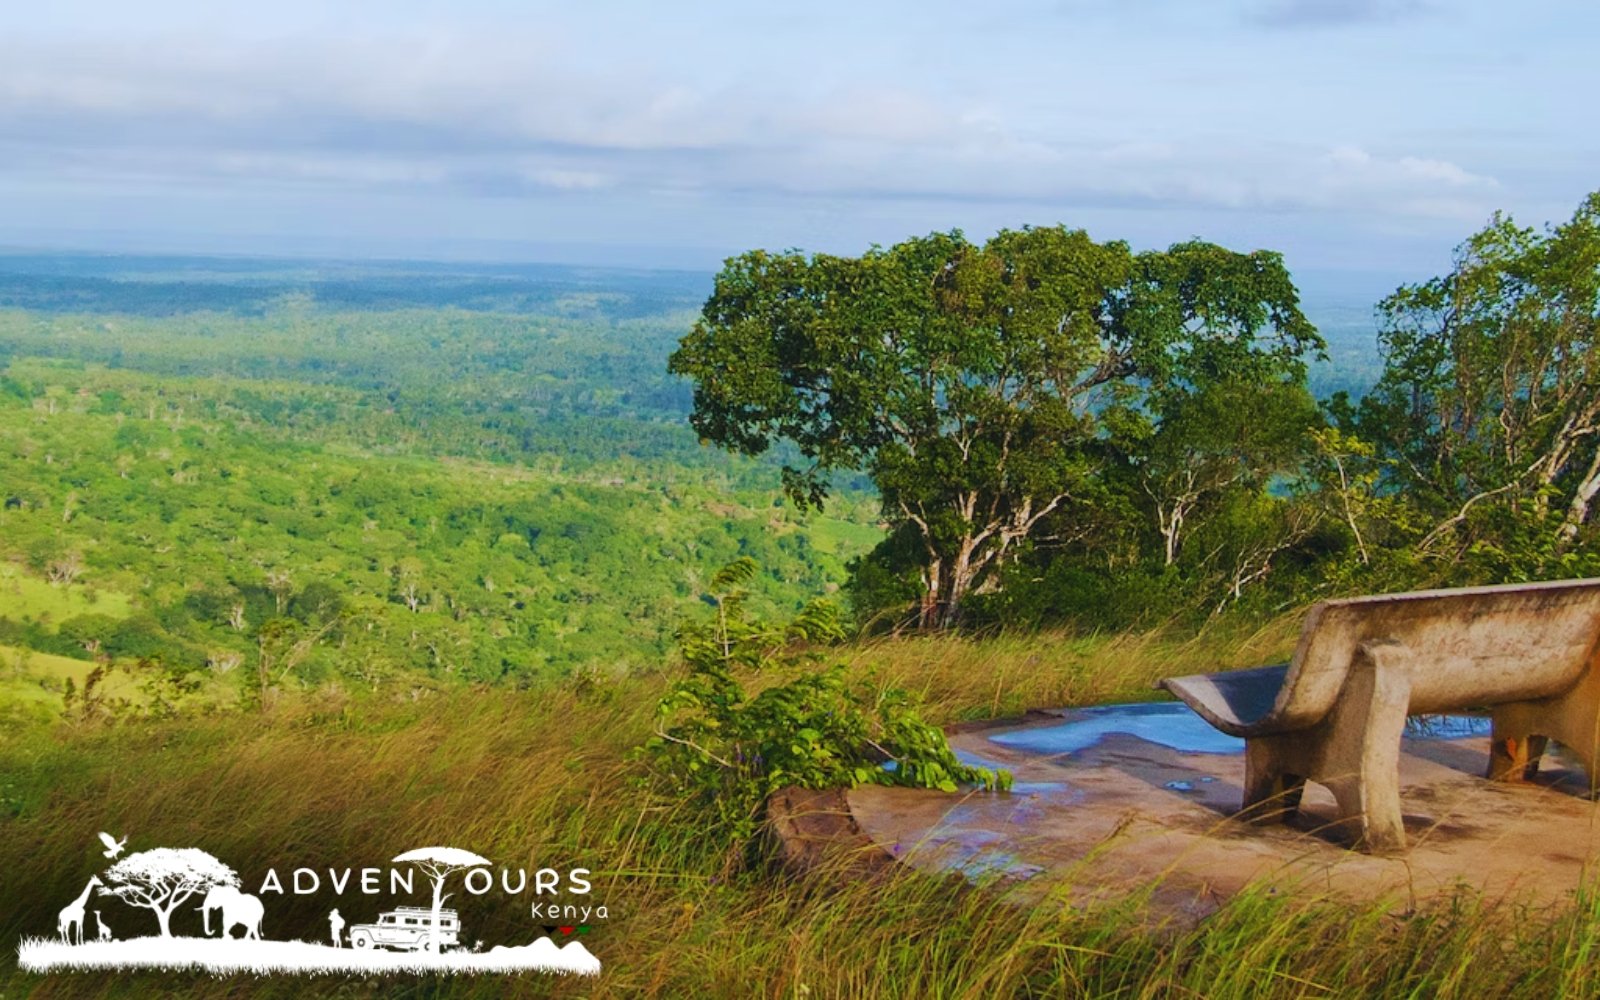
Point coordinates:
[[169, 286]]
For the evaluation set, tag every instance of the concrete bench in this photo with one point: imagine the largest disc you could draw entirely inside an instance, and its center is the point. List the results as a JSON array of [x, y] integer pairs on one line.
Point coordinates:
[[1335, 713]]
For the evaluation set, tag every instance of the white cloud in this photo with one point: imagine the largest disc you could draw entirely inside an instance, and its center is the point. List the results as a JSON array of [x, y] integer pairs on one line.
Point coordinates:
[[1409, 185], [503, 117], [568, 180], [1442, 171]]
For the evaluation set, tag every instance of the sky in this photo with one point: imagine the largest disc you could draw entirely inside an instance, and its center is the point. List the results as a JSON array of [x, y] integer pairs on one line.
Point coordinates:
[[1359, 136]]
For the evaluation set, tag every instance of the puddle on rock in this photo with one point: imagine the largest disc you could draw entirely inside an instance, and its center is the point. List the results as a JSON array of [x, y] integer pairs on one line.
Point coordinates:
[[972, 854], [971, 759], [1175, 725], [988, 836], [1171, 724], [1446, 727], [1025, 800]]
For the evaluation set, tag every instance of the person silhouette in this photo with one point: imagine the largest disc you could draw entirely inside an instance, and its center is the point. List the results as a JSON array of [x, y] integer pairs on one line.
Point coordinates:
[[336, 926]]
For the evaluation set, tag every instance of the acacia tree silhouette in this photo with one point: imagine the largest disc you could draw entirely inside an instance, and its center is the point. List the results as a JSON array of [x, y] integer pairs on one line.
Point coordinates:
[[439, 863], [162, 878]]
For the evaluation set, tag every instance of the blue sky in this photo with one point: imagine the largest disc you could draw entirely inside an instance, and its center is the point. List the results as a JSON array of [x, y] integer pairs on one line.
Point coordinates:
[[1369, 135]]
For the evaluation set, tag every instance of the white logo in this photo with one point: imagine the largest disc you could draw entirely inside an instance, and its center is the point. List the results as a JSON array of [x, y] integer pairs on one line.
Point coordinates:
[[113, 845], [164, 880]]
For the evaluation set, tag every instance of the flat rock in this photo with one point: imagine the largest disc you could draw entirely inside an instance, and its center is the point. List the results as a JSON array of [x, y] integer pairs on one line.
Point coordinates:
[[1115, 799]]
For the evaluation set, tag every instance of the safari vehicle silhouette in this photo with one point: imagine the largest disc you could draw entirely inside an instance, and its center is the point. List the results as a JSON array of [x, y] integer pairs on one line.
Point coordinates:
[[407, 928]]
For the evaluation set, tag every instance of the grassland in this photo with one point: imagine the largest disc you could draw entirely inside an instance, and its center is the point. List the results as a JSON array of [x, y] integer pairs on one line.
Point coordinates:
[[25, 597], [42, 669], [546, 777], [33, 684]]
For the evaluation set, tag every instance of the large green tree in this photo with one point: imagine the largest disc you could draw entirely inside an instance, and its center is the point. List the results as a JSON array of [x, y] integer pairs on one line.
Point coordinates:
[[978, 386], [1487, 417]]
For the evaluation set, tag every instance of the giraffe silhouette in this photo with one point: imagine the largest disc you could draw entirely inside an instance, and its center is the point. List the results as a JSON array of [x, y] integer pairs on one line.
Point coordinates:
[[70, 923], [100, 922]]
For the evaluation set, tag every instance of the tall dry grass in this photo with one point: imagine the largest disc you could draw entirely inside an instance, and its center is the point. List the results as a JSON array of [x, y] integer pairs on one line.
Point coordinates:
[[545, 779], [964, 678]]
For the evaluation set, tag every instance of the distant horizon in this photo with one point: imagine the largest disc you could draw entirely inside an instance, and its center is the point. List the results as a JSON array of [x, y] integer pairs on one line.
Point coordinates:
[[1314, 282]]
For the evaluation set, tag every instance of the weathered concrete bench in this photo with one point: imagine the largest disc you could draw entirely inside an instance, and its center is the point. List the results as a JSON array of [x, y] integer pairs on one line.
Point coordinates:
[[1335, 713]]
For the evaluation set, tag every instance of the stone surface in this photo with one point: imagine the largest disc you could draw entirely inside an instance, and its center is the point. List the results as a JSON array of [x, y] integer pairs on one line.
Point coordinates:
[[815, 830], [1100, 817]]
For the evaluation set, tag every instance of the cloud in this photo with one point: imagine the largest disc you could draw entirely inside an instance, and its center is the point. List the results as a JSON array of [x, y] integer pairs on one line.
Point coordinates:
[[1332, 13], [1355, 163], [480, 117]]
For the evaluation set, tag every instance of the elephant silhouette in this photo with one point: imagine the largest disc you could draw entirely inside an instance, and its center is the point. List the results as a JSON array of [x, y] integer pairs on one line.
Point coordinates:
[[238, 909]]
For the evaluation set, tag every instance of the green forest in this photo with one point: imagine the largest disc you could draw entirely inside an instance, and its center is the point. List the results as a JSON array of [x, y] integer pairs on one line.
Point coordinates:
[[264, 489]]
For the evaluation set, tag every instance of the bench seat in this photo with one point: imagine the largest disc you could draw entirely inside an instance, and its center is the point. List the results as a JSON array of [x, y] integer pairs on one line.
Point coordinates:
[[1238, 702]]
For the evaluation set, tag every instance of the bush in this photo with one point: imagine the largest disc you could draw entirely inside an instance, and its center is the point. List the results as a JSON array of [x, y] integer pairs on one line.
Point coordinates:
[[726, 750]]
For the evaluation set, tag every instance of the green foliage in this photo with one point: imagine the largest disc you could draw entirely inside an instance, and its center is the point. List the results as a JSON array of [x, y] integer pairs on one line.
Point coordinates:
[[1475, 459], [1487, 418], [978, 385], [728, 748], [147, 689]]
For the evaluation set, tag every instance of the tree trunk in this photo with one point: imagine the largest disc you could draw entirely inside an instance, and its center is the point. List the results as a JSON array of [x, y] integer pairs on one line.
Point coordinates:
[[932, 584], [946, 583], [959, 585], [165, 919], [1578, 511], [438, 904]]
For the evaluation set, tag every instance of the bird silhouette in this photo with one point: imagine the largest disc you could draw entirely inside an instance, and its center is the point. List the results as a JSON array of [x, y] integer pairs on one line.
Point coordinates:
[[113, 846]]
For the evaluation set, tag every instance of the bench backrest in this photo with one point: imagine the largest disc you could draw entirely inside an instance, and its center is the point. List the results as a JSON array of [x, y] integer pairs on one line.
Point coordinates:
[[1472, 645]]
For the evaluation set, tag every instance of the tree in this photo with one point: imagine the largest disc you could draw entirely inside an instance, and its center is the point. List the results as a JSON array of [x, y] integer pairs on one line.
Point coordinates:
[[90, 631], [976, 384], [1488, 411], [65, 570], [163, 878], [316, 603], [282, 644], [439, 863], [408, 574], [281, 583], [1189, 453]]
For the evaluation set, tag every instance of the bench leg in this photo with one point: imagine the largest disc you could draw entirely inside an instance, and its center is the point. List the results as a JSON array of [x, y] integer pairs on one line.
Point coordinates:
[[1271, 791], [1360, 753], [1514, 758], [1572, 717]]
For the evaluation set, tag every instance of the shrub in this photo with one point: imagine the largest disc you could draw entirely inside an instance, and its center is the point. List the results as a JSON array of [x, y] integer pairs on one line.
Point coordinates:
[[727, 749]]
